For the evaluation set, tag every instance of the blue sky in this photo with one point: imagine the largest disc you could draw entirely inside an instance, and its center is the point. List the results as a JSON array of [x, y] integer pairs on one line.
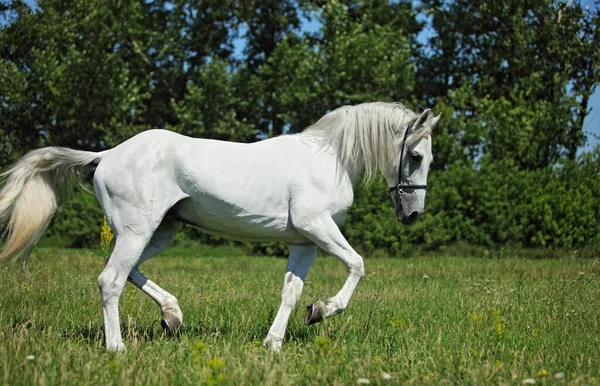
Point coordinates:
[[591, 125]]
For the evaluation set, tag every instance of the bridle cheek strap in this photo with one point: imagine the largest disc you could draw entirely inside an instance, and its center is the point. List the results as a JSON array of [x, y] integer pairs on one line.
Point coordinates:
[[402, 187]]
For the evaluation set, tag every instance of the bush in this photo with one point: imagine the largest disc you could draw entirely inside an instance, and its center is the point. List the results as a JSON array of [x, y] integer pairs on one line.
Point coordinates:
[[79, 221], [494, 204]]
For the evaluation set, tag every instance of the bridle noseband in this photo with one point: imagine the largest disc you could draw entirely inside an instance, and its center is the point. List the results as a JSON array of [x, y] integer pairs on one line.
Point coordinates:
[[401, 187]]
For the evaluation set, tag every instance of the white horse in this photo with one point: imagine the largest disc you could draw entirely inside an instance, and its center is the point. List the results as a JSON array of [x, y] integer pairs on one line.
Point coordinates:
[[294, 189]]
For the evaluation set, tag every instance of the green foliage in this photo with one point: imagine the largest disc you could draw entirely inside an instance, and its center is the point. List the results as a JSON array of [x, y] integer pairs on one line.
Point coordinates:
[[494, 204], [65, 78], [353, 59], [79, 222], [512, 80], [533, 57], [209, 107]]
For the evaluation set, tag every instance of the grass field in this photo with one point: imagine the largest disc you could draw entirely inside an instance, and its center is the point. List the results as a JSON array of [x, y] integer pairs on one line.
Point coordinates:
[[414, 321]]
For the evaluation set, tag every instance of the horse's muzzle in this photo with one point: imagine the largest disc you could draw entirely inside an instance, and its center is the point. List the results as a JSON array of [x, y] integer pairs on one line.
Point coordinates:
[[407, 220]]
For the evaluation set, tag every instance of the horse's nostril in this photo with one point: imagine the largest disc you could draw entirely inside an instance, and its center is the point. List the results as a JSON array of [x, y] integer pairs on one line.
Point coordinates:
[[413, 216], [410, 218]]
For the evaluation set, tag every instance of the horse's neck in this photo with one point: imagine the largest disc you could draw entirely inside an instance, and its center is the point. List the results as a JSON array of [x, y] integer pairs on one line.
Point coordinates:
[[317, 143]]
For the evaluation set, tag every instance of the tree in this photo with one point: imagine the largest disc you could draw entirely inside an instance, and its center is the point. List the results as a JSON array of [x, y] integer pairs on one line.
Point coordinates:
[[209, 108], [352, 59], [64, 80], [265, 24], [177, 39], [537, 56]]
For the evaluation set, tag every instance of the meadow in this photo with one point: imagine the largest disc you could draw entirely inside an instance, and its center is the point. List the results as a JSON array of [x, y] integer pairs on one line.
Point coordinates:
[[437, 320]]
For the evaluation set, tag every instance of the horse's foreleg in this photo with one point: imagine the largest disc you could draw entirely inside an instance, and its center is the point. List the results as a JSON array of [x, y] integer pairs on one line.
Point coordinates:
[[169, 307], [300, 259], [325, 233]]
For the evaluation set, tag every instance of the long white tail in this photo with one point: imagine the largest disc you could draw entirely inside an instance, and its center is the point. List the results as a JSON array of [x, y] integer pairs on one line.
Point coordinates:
[[28, 198]]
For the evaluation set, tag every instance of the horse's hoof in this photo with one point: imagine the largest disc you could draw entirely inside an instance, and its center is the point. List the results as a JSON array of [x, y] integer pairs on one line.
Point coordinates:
[[172, 326], [313, 315]]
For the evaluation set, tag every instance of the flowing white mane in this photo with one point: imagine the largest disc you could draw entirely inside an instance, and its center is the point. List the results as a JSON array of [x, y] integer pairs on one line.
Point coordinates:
[[365, 135]]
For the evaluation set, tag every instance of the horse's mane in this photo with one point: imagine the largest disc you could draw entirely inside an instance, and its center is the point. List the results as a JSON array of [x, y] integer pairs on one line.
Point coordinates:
[[364, 135]]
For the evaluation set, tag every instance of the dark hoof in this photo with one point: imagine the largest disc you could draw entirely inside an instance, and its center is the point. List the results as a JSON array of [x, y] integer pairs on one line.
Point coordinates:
[[313, 315], [171, 328]]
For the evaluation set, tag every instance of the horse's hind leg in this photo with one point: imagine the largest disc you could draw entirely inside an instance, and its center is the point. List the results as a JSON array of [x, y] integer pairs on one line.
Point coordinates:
[[126, 254], [169, 307]]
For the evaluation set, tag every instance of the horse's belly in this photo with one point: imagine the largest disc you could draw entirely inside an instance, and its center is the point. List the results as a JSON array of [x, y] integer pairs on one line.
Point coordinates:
[[237, 223]]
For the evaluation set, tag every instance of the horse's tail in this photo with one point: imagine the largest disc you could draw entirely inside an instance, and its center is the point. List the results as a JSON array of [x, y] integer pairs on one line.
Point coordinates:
[[28, 198]]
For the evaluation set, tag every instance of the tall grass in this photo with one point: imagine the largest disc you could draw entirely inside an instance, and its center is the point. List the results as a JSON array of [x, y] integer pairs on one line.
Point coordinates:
[[422, 320]]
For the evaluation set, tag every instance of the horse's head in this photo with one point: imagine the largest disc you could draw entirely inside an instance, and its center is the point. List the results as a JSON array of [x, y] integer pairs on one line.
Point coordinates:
[[408, 178]]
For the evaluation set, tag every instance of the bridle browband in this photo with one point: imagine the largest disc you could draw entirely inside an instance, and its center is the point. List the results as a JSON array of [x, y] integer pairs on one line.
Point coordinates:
[[400, 188]]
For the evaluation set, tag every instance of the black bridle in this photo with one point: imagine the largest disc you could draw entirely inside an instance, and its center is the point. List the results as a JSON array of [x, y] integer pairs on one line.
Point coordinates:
[[401, 187]]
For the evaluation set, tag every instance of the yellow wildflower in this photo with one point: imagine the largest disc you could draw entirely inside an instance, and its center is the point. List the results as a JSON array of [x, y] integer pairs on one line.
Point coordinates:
[[106, 235]]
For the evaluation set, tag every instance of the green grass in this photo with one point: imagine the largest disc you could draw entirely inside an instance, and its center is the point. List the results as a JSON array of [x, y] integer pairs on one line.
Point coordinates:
[[422, 320]]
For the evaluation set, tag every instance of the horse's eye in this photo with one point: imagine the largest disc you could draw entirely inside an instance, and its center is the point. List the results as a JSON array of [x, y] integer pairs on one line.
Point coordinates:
[[416, 157]]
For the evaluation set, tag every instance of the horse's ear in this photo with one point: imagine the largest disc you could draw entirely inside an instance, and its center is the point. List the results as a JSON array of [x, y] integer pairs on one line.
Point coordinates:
[[421, 119], [435, 120]]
